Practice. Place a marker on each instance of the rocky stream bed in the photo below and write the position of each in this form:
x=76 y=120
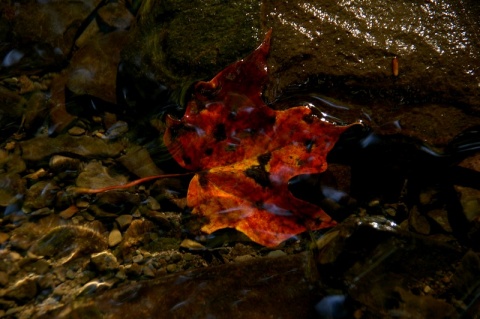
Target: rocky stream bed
x=85 y=87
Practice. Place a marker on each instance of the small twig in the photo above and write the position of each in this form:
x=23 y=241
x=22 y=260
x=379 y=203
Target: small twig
x=83 y=190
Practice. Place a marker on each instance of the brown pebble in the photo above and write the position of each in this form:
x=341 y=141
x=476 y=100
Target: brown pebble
x=427 y=289
x=104 y=261
x=69 y=212
x=191 y=244
x=152 y=203
x=114 y=238
x=3 y=237
x=24 y=289
x=137 y=259
x=3 y=278
x=82 y=204
x=149 y=272
x=134 y=269
x=76 y=131
x=395 y=66
x=171 y=268
x=124 y=221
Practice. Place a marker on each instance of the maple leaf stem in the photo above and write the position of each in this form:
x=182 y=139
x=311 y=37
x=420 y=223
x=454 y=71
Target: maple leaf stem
x=84 y=190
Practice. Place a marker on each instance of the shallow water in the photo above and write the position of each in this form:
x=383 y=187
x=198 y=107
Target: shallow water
x=83 y=104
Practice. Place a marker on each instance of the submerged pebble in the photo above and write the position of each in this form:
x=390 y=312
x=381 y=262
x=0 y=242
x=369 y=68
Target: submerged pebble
x=64 y=243
x=104 y=261
x=114 y=238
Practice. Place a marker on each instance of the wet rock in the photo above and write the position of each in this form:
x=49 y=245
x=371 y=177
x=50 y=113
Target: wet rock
x=191 y=245
x=76 y=131
x=470 y=197
x=219 y=34
x=36 y=111
x=148 y=271
x=418 y=221
x=152 y=203
x=46 y=46
x=68 y=212
x=104 y=261
x=372 y=281
x=138 y=259
x=3 y=278
x=137 y=232
x=159 y=218
x=59 y=163
x=93 y=288
x=276 y=254
x=116 y=130
x=65 y=243
x=23 y=290
x=362 y=46
x=39 y=148
x=24 y=236
x=329 y=48
x=45 y=211
x=440 y=216
x=11 y=186
x=124 y=221
x=95 y=175
x=11 y=112
x=11 y=163
x=40 y=195
x=465 y=279
x=134 y=270
x=435 y=124
x=138 y=161
x=93 y=68
x=115 y=15
x=215 y=296
x=39 y=267
x=3 y=237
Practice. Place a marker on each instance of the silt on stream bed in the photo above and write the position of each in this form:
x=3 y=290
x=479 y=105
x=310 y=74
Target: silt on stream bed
x=83 y=101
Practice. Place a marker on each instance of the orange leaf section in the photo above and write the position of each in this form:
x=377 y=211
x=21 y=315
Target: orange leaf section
x=248 y=152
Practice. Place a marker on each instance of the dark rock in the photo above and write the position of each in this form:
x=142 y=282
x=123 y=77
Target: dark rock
x=43 y=39
x=23 y=290
x=40 y=195
x=436 y=45
x=115 y=15
x=13 y=106
x=95 y=175
x=11 y=186
x=138 y=161
x=39 y=267
x=470 y=197
x=138 y=232
x=370 y=255
x=93 y=68
x=36 y=111
x=219 y=34
x=330 y=48
x=39 y=148
x=76 y=131
x=65 y=243
x=59 y=163
x=466 y=278
x=440 y=216
x=215 y=291
x=124 y=221
x=117 y=130
x=418 y=221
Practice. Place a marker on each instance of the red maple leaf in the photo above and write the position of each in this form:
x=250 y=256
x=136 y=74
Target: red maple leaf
x=246 y=153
